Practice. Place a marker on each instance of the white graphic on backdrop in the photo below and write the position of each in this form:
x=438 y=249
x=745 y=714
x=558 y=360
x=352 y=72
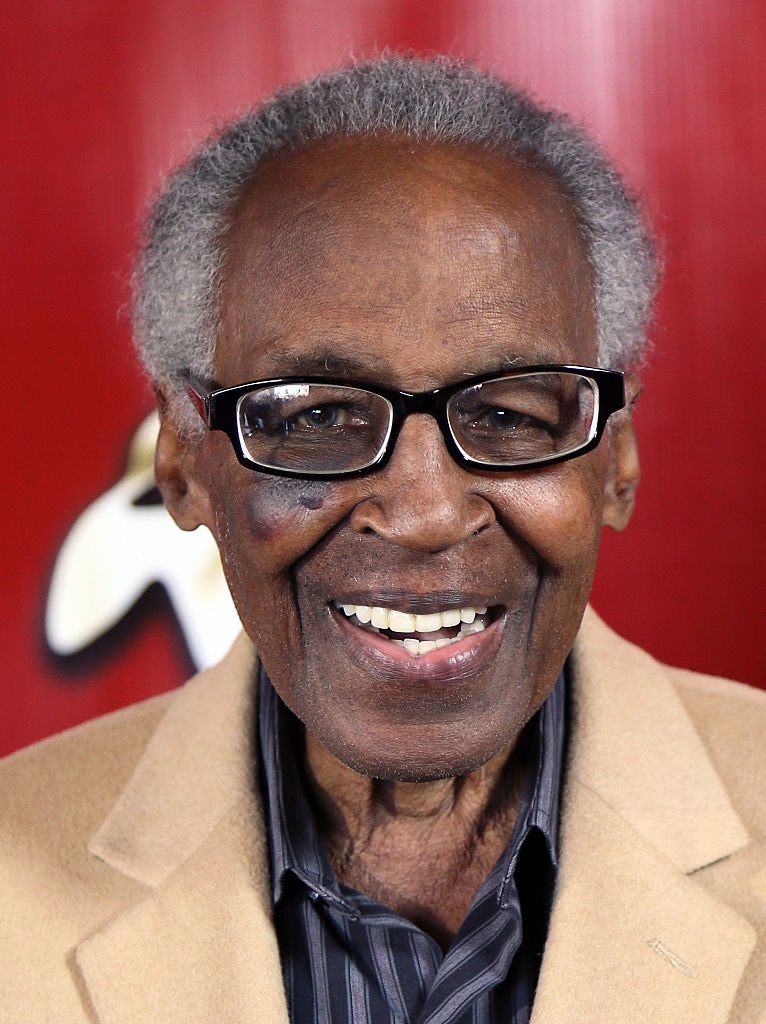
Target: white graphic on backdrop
x=117 y=549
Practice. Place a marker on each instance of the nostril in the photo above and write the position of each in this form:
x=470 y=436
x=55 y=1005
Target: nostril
x=423 y=526
x=426 y=503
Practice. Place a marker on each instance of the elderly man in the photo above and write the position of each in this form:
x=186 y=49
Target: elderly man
x=393 y=319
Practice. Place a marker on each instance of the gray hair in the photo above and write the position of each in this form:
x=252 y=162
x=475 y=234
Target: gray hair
x=180 y=264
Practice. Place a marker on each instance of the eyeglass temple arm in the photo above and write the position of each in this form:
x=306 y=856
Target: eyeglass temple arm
x=198 y=394
x=618 y=393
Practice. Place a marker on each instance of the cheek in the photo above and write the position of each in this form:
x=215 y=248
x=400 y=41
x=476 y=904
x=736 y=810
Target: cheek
x=557 y=513
x=263 y=526
x=272 y=521
x=278 y=514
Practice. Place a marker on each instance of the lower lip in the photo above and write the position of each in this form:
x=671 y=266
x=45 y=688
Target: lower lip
x=449 y=664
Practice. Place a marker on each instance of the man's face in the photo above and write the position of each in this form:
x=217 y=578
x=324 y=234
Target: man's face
x=413 y=266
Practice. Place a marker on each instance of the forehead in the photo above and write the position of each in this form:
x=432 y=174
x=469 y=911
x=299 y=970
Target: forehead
x=399 y=253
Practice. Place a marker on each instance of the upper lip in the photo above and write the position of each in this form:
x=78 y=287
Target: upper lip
x=415 y=603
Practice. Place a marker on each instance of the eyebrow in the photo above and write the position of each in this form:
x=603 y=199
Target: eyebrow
x=323 y=361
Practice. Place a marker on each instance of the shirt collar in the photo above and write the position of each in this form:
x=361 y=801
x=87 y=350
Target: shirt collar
x=294 y=842
x=545 y=802
x=542 y=787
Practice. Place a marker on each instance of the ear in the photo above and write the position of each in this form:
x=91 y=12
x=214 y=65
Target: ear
x=624 y=470
x=176 y=470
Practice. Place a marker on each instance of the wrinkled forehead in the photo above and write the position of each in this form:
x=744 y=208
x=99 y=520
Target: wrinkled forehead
x=386 y=229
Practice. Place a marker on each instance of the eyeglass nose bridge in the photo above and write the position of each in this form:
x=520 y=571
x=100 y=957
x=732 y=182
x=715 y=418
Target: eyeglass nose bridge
x=429 y=403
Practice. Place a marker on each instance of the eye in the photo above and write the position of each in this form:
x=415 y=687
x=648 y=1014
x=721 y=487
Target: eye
x=261 y=418
x=322 y=416
x=504 y=418
x=508 y=419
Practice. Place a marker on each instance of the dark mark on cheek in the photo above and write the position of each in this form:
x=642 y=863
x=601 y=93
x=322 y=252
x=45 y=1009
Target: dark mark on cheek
x=311 y=501
x=275 y=501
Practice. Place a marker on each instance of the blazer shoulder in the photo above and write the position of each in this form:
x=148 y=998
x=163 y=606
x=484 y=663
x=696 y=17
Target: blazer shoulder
x=55 y=792
x=730 y=719
x=718 y=705
x=697 y=683
x=53 y=795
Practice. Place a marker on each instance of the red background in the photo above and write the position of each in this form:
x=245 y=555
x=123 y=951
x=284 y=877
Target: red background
x=99 y=100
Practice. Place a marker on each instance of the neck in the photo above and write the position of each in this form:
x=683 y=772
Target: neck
x=406 y=844
x=352 y=808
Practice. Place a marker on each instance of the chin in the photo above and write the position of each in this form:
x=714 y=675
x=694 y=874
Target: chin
x=441 y=757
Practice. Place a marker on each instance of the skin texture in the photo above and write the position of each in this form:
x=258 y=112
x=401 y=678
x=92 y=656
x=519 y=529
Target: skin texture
x=414 y=266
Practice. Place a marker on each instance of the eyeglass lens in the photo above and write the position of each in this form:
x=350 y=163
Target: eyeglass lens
x=319 y=428
x=331 y=428
x=525 y=418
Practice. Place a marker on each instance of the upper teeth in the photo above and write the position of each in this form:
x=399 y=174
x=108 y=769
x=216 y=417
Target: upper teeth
x=405 y=623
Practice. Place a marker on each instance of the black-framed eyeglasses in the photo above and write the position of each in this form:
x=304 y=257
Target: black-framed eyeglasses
x=326 y=429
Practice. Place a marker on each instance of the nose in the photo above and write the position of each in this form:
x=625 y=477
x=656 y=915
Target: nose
x=423 y=500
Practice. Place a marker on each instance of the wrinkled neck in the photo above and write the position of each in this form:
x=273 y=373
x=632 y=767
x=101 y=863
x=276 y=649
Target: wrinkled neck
x=352 y=806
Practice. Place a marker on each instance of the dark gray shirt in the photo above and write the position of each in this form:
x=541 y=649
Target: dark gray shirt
x=349 y=960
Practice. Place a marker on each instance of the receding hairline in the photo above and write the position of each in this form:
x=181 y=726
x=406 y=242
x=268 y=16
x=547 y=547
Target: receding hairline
x=273 y=172
x=326 y=174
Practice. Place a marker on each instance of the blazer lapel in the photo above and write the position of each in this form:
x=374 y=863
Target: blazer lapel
x=200 y=945
x=634 y=938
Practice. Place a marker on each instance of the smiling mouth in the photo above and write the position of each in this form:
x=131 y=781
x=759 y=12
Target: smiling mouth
x=420 y=634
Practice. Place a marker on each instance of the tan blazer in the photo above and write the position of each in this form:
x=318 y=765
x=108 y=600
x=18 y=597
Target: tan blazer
x=134 y=879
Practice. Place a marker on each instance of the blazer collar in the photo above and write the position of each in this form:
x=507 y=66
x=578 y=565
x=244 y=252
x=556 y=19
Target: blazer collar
x=634 y=936
x=196 y=767
x=634 y=745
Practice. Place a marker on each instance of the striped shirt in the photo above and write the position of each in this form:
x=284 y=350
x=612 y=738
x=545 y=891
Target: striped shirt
x=349 y=960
